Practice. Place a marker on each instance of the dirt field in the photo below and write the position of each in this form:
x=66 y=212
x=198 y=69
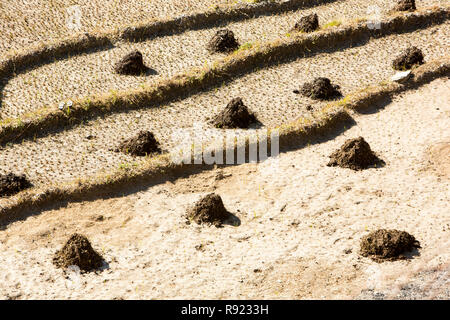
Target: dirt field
x=297 y=222
x=267 y=92
x=301 y=222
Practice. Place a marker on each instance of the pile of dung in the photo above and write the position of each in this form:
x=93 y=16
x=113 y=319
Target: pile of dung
x=79 y=252
x=387 y=245
x=409 y=58
x=11 y=184
x=235 y=115
x=405 y=5
x=307 y=23
x=141 y=145
x=320 y=89
x=131 y=64
x=354 y=154
x=209 y=210
x=223 y=41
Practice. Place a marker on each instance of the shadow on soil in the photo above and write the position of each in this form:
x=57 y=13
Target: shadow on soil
x=144 y=183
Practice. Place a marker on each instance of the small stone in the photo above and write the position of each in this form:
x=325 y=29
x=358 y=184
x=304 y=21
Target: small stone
x=401 y=76
x=200 y=247
x=220 y=175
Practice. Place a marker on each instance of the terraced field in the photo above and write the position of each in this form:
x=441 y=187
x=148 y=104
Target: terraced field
x=68 y=153
x=30 y=22
x=268 y=92
x=91 y=73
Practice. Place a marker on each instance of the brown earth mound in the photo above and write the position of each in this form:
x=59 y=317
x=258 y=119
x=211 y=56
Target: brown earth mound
x=79 y=252
x=354 y=154
x=321 y=89
x=131 y=64
x=223 y=41
x=235 y=115
x=11 y=184
x=405 y=5
x=210 y=210
x=409 y=58
x=143 y=144
x=307 y=23
x=382 y=244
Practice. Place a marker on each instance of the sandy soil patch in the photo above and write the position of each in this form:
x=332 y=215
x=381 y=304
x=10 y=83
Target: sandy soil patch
x=301 y=222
